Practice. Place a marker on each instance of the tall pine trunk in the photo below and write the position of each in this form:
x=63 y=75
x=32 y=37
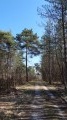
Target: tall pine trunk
x=65 y=63
x=26 y=66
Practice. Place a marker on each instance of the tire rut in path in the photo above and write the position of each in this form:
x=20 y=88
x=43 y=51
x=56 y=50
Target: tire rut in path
x=37 y=106
x=48 y=107
x=35 y=102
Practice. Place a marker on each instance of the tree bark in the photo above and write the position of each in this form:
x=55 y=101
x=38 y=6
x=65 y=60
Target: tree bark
x=26 y=66
x=65 y=63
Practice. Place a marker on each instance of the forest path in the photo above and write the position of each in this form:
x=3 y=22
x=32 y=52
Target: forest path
x=33 y=101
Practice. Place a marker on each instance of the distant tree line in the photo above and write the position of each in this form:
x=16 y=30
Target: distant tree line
x=13 y=71
x=54 y=41
x=52 y=46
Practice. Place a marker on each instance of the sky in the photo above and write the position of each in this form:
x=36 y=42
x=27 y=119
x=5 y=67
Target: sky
x=15 y=15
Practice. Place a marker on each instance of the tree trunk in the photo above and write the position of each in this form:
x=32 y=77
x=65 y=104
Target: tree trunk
x=49 y=60
x=26 y=66
x=65 y=63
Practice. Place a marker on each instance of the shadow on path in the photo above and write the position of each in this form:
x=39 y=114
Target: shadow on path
x=33 y=102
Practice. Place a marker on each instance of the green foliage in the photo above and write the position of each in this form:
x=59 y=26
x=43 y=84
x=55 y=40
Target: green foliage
x=11 y=61
x=12 y=69
x=6 y=38
x=54 y=50
x=30 y=40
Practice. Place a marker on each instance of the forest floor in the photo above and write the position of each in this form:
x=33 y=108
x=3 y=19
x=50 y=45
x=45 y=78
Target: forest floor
x=34 y=101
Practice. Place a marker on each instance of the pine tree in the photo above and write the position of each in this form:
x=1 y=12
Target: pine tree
x=28 y=41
